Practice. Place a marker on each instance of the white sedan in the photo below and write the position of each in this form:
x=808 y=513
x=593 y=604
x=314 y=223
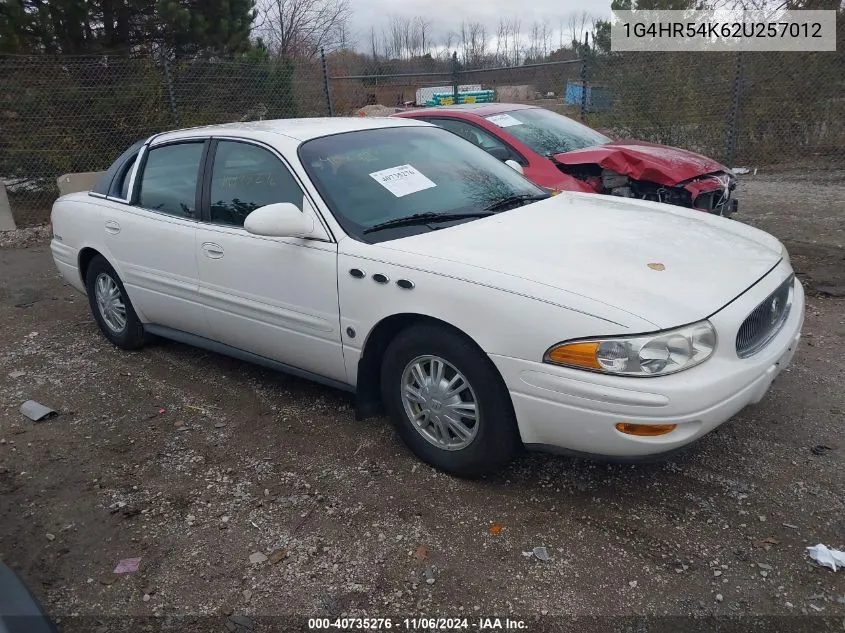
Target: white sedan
x=392 y=258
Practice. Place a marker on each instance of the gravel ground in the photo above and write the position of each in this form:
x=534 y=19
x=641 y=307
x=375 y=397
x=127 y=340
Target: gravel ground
x=202 y=466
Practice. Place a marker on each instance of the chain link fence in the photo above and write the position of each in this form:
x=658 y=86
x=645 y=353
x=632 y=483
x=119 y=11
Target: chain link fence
x=741 y=108
x=405 y=83
x=75 y=114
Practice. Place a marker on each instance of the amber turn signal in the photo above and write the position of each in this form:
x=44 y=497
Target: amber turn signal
x=577 y=354
x=645 y=430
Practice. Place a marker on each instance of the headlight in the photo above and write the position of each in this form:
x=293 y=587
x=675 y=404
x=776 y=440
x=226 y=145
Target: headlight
x=656 y=354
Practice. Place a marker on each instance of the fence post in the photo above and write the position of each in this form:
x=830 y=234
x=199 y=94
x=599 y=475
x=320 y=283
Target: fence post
x=583 y=85
x=732 y=128
x=326 y=82
x=456 y=75
x=168 y=77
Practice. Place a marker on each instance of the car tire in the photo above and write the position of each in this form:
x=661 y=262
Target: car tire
x=468 y=433
x=111 y=306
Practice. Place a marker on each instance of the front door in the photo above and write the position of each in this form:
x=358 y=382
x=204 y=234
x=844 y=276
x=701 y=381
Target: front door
x=275 y=297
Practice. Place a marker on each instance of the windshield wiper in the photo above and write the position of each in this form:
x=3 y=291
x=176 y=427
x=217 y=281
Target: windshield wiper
x=502 y=203
x=425 y=218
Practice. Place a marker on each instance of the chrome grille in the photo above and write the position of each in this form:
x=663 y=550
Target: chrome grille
x=765 y=321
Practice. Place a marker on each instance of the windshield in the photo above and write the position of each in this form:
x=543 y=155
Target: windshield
x=372 y=177
x=547 y=132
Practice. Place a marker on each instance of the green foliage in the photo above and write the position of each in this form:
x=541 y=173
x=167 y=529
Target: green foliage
x=253 y=86
x=601 y=36
x=185 y=27
x=72 y=116
x=63 y=115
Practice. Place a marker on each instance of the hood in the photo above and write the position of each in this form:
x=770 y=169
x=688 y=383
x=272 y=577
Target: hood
x=642 y=160
x=665 y=265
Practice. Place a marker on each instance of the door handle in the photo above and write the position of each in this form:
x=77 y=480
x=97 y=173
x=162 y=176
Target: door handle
x=112 y=227
x=212 y=250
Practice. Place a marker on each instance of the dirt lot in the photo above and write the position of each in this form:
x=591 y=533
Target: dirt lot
x=193 y=462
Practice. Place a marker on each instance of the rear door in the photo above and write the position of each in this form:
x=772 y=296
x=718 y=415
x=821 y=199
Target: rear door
x=152 y=235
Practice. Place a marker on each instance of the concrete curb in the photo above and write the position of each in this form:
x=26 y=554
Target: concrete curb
x=82 y=181
x=7 y=221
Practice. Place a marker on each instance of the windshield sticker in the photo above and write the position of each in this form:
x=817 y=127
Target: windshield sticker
x=402 y=180
x=504 y=120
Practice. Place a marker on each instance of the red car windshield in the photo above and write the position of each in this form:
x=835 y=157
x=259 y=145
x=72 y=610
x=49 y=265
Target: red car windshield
x=546 y=132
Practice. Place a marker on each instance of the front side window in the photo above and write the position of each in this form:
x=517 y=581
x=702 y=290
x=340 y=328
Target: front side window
x=169 y=180
x=376 y=176
x=245 y=177
x=547 y=132
x=473 y=134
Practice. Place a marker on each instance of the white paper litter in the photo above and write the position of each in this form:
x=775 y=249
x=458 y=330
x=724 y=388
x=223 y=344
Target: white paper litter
x=827 y=557
x=741 y=170
x=504 y=120
x=402 y=180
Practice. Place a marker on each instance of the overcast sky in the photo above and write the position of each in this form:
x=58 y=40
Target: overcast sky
x=446 y=15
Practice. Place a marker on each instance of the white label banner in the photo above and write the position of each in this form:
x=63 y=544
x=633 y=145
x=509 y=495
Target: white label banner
x=504 y=120
x=402 y=180
x=723 y=30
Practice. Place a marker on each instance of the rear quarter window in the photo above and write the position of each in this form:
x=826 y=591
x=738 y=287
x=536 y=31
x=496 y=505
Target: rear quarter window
x=104 y=186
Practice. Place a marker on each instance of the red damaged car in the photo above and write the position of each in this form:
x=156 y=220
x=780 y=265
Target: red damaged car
x=558 y=153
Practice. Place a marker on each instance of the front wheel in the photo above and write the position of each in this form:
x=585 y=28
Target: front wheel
x=448 y=402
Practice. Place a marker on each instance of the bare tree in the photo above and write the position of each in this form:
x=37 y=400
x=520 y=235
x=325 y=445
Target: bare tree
x=406 y=28
x=546 y=39
x=503 y=35
x=533 y=51
x=375 y=43
x=407 y=37
x=393 y=43
x=577 y=24
x=423 y=27
x=539 y=41
x=513 y=42
x=473 y=39
x=502 y=42
x=345 y=41
x=448 y=44
x=300 y=28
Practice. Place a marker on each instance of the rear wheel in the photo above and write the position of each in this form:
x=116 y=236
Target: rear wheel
x=448 y=402
x=111 y=306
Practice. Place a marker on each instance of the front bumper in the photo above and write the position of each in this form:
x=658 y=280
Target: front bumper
x=576 y=411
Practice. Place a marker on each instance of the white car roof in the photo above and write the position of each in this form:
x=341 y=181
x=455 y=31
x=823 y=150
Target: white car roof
x=298 y=129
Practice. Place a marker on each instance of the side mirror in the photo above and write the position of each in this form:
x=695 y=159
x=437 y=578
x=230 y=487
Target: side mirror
x=281 y=219
x=514 y=165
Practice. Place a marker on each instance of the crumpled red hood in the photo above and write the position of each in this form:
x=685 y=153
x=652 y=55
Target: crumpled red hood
x=642 y=160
